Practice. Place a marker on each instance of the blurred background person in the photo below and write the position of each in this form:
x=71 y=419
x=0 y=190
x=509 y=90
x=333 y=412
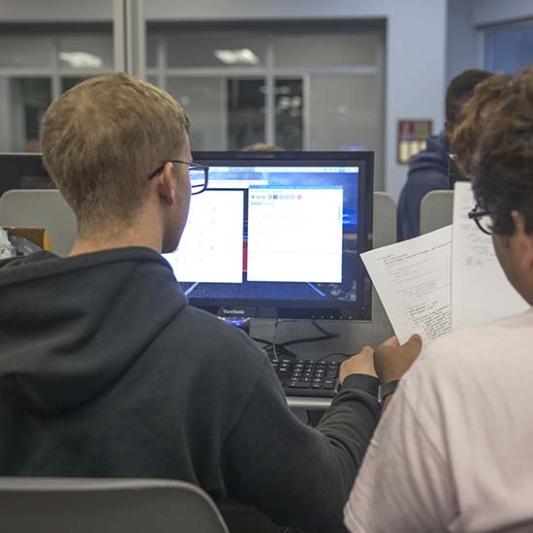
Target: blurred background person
x=428 y=170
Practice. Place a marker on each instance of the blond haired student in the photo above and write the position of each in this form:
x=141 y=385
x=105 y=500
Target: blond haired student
x=105 y=370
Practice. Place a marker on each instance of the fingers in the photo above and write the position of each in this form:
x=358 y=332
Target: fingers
x=416 y=341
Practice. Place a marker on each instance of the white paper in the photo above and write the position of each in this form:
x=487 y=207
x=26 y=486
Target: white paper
x=480 y=290
x=412 y=279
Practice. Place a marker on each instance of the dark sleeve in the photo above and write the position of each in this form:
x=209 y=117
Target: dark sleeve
x=411 y=197
x=408 y=217
x=418 y=184
x=297 y=475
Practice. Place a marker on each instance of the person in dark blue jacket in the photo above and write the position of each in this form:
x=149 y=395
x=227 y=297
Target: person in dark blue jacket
x=428 y=169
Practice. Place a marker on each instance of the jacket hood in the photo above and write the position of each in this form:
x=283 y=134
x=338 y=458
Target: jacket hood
x=434 y=157
x=70 y=327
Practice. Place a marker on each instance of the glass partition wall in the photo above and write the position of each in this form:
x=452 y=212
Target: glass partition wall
x=37 y=63
x=311 y=87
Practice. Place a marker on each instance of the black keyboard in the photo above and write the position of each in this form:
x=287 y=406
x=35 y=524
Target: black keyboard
x=307 y=378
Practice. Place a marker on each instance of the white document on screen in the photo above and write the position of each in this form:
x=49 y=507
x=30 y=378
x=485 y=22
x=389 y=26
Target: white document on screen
x=412 y=279
x=295 y=234
x=480 y=290
x=211 y=247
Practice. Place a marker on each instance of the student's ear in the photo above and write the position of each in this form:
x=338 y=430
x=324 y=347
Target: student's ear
x=524 y=239
x=166 y=185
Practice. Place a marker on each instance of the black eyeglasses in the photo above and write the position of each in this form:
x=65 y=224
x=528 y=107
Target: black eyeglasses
x=198 y=175
x=482 y=219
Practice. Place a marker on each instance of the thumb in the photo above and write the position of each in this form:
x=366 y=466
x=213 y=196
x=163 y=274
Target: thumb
x=415 y=341
x=391 y=341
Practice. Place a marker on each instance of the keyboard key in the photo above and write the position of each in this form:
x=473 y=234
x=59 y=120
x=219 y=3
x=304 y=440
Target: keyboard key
x=300 y=385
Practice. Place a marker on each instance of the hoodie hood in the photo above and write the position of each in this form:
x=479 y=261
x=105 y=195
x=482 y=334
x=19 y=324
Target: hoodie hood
x=433 y=159
x=70 y=327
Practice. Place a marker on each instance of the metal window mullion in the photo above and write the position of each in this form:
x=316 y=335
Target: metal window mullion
x=119 y=35
x=306 y=119
x=56 y=82
x=206 y=72
x=56 y=86
x=224 y=122
x=26 y=72
x=363 y=70
x=270 y=96
x=161 y=61
x=136 y=41
x=81 y=73
x=380 y=103
x=359 y=70
x=129 y=36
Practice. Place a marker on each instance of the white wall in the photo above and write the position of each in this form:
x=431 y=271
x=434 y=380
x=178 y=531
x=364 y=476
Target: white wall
x=463 y=39
x=415 y=49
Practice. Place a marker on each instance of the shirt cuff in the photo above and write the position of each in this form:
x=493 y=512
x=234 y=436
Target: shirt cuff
x=362 y=382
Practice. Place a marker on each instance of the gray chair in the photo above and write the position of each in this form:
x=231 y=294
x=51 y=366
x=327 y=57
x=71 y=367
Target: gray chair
x=436 y=211
x=384 y=219
x=384 y=228
x=92 y=505
x=40 y=208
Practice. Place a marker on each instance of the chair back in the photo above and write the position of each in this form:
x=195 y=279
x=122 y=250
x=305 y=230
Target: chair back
x=384 y=219
x=92 y=505
x=40 y=208
x=436 y=211
x=384 y=232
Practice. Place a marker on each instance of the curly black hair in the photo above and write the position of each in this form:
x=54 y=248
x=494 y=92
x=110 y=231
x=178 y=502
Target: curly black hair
x=494 y=145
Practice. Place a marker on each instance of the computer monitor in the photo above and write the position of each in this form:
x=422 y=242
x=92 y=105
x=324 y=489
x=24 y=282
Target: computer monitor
x=280 y=234
x=23 y=171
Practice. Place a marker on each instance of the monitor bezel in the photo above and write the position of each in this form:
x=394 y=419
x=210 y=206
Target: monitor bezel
x=299 y=310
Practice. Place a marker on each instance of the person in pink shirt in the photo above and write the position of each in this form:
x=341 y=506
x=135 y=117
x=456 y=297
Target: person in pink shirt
x=453 y=451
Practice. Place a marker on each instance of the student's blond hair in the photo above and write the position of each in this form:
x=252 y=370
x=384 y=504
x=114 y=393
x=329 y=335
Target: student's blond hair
x=102 y=139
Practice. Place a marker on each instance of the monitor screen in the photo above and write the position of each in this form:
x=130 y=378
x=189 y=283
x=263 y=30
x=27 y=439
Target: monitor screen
x=23 y=171
x=279 y=234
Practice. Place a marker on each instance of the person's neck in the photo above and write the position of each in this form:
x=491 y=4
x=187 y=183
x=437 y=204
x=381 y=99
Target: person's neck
x=134 y=235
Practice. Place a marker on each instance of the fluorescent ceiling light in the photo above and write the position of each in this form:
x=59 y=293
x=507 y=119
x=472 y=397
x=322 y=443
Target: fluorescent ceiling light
x=243 y=56
x=81 y=59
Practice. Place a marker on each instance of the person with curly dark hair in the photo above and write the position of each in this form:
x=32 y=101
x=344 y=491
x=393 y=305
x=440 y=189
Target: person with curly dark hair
x=453 y=451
